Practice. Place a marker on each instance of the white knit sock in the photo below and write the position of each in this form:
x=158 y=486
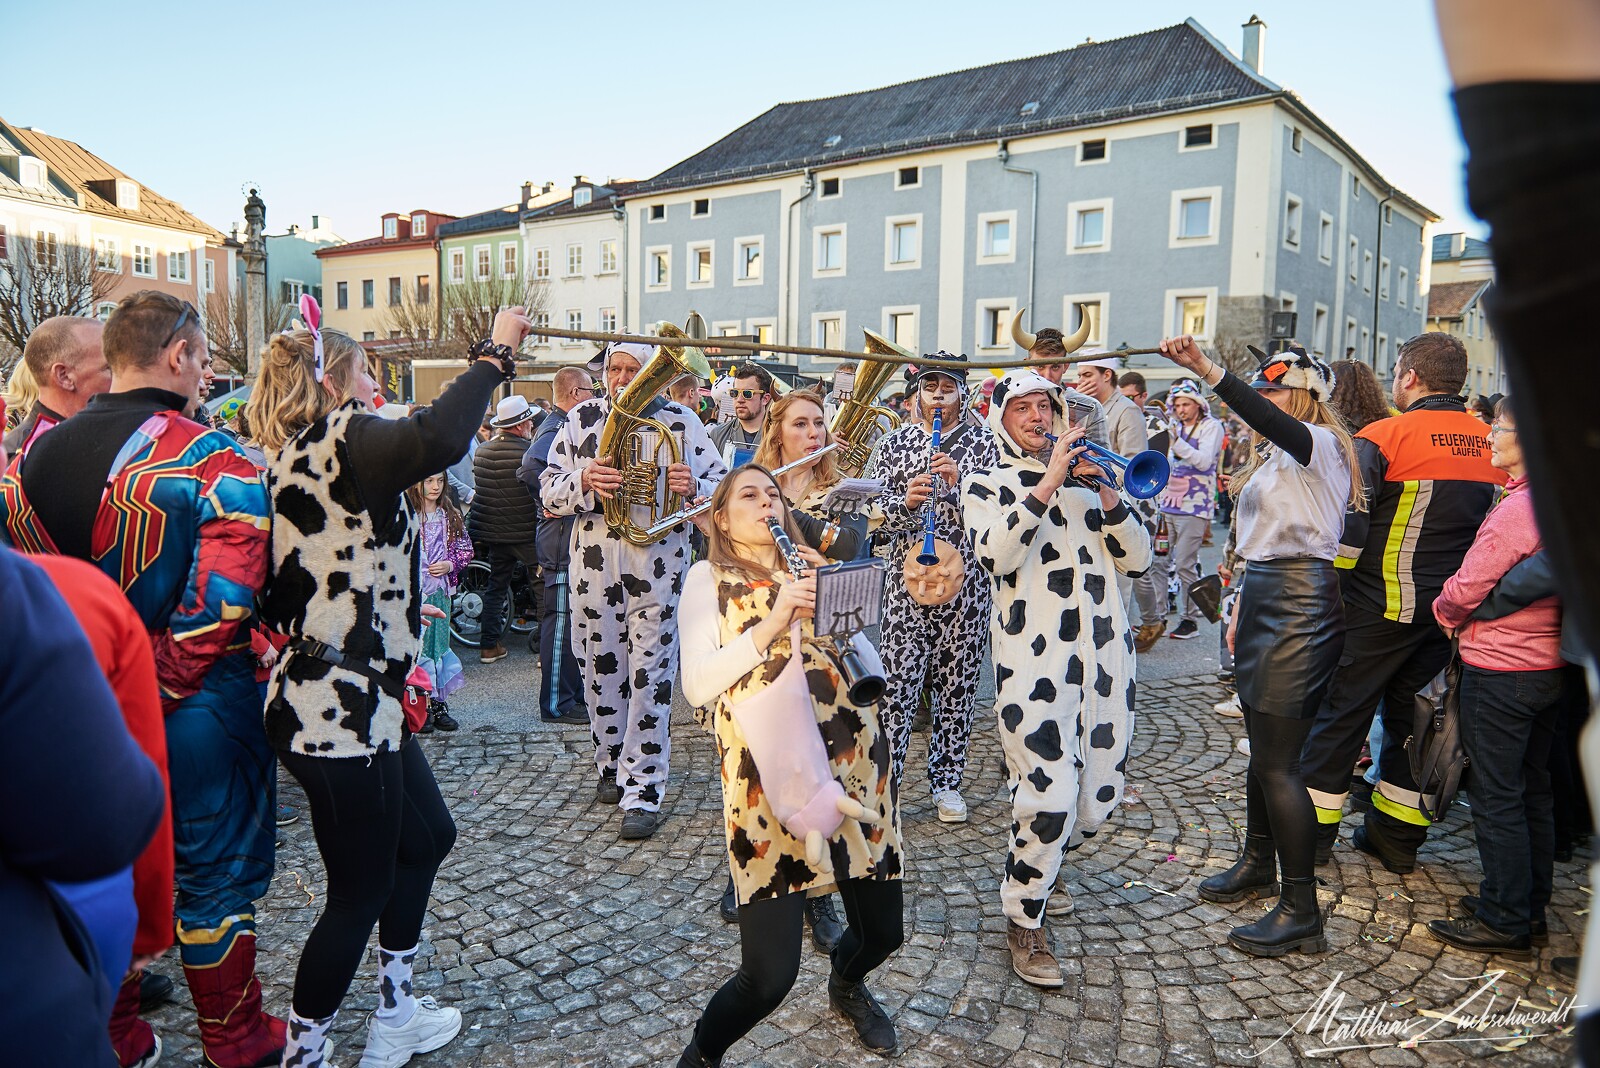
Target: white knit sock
x=397 y=1001
x=305 y=1041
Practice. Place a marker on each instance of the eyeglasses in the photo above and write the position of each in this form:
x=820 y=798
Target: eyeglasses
x=188 y=309
x=746 y=394
x=1496 y=428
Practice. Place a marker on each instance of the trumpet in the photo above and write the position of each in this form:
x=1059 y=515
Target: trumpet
x=683 y=515
x=1142 y=475
x=863 y=686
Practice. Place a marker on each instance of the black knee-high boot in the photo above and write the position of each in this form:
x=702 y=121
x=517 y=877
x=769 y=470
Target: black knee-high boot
x=1254 y=874
x=1295 y=924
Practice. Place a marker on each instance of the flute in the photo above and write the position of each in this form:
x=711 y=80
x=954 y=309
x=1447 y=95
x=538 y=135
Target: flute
x=929 y=555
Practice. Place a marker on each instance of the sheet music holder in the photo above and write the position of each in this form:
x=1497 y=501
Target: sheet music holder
x=849 y=597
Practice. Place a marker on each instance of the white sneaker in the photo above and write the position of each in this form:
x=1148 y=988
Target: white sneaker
x=952 y=809
x=1229 y=708
x=1060 y=902
x=429 y=1028
x=1243 y=746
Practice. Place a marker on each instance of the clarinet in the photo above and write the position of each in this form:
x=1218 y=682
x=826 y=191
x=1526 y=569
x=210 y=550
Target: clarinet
x=862 y=685
x=930 y=556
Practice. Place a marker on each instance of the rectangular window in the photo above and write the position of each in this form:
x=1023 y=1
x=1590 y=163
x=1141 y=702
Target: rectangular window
x=368 y=294
x=1349 y=339
x=1388 y=214
x=46 y=243
x=907 y=177
x=830 y=250
x=903 y=329
x=368 y=335
x=1355 y=188
x=1194 y=217
x=104 y=310
x=574 y=260
x=1366 y=342
x=993 y=327
x=210 y=276
x=1075 y=317
x=1197 y=136
x=1325 y=237
x=747 y=260
x=700 y=265
x=542 y=321
x=1291 y=221
x=608 y=257
x=659 y=268
x=658 y=212
x=394 y=335
x=541 y=263
x=178 y=266
x=293 y=290
x=1366 y=271
x=144 y=261
x=1191 y=316
x=905 y=245
x=424 y=288
x=608 y=320
x=391 y=230
x=5 y=242
x=1383 y=279
x=1405 y=282
x=1091 y=226
x=106 y=255
x=394 y=292
x=997 y=237
x=419 y=226
x=702 y=206
x=1092 y=151
x=458 y=266
x=827 y=332
x=830 y=188
x=341 y=296
x=1296 y=140
x=508 y=261
x=763 y=331
x=481 y=263
x=574 y=319
x=1353 y=265
x=1319 y=330
x=1383 y=348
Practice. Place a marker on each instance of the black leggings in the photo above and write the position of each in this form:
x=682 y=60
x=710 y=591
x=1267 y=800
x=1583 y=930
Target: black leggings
x=770 y=934
x=1276 y=802
x=383 y=831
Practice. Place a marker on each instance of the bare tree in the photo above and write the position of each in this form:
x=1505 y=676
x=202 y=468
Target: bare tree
x=455 y=315
x=42 y=279
x=226 y=331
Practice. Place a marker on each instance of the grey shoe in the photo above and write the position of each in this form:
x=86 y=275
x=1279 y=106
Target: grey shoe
x=640 y=823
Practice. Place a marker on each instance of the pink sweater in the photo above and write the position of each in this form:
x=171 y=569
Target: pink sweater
x=1527 y=640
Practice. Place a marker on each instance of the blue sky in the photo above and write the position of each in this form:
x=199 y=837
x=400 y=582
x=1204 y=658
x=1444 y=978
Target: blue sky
x=349 y=110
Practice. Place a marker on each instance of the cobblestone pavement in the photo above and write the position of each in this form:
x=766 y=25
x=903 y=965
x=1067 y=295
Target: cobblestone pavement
x=564 y=945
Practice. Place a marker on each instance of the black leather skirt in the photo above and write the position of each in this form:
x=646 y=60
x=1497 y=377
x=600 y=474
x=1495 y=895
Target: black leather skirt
x=1291 y=633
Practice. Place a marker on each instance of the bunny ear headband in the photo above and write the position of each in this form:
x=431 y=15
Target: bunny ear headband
x=311 y=320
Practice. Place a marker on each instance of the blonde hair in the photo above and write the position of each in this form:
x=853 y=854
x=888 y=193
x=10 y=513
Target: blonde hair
x=719 y=546
x=769 y=454
x=287 y=397
x=1308 y=409
x=21 y=393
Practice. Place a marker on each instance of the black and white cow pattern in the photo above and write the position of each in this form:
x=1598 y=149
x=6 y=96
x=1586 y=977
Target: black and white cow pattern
x=944 y=644
x=624 y=598
x=1063 y=653
x=338 y=579
x=395 y=981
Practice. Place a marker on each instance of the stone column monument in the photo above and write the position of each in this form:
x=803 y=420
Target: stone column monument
x=255 y=281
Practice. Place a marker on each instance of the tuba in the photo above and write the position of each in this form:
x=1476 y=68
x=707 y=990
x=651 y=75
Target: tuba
x=856 y=422
x=622 y=440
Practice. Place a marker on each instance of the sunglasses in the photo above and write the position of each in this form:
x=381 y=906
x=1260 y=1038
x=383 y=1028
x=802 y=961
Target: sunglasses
x=745 y=394
x=188 y=309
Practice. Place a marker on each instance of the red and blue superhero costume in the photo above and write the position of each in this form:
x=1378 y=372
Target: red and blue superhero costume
x=178 y=517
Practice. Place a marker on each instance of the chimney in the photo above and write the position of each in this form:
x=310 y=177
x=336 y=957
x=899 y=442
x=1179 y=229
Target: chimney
x=1458 y=246
x=527 y=193
x=1255 y=44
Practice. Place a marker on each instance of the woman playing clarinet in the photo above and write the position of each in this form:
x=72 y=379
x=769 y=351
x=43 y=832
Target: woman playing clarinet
x=738 y=621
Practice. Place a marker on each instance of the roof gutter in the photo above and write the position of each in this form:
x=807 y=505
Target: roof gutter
x=1004 y=155
x=791 y=295
x=1377 y=283
x=619 y=212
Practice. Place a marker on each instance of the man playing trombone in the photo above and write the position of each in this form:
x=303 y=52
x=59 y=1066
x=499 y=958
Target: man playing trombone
x=941 y=642
x=623 y=594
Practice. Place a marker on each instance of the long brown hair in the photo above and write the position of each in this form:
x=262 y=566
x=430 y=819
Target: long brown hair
x=719 y=546
x=1307 y=409
x=287 y=397
x=1357 y=396
x=455 y=525
x=824 y=472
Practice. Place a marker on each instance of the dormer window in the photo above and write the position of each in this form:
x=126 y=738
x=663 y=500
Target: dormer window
x=127 y=194
x=391 y=228
x=1030 y=108
x=582 y=196
x=832 y=142
x=419 y=225
x=34 y=173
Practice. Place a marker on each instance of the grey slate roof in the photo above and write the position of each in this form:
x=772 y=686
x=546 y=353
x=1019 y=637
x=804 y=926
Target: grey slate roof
x=505 y=218
x=1162 y=70
x=1475 y=248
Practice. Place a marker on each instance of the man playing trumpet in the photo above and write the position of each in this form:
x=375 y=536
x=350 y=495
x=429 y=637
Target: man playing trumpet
x=941 y=642
x=624 y=595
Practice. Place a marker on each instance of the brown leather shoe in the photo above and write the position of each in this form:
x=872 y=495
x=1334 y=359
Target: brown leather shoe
x=489 y=656
x=1145 y=638
x=1031 y=957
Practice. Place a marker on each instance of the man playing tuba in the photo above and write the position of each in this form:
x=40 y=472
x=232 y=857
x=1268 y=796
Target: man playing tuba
x=943 y=642
x=624 y=594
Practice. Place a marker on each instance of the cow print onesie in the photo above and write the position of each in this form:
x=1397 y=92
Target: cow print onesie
x=624 y=597
x=1063 y=654
x=946 y=641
